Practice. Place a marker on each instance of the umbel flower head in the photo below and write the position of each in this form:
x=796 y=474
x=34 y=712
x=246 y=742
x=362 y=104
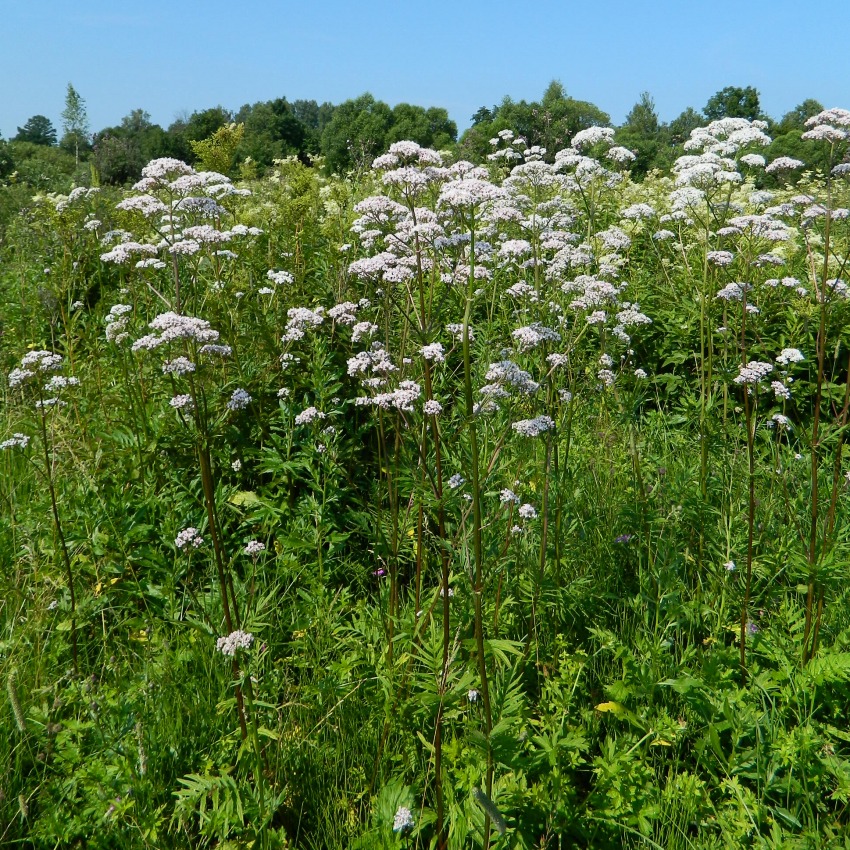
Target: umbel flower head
x=235 y=640
x=403 y=819
x=34 y=363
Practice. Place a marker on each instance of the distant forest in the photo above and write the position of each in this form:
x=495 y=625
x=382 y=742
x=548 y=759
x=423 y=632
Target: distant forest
x=346 y=137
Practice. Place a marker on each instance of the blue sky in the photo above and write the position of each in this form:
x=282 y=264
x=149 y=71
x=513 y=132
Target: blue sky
x=182 y=55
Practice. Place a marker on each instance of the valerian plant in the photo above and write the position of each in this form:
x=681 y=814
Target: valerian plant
x=455 y=504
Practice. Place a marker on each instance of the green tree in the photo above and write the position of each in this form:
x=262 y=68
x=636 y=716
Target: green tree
x=272 y=131
x=431 y=128
x=121 y=152
x=484 y=115
x=797 y=117
x=38 y=130
x=551 y=122
x=682 y=124
x=643 y=134
x=200 y=125
x=7 y=163
x=315 y=116
x=733 y=102
x=218 y=151
x=357 y=133
x=75 y=122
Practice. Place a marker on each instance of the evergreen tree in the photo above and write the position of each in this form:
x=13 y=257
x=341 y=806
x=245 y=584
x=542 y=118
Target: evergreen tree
x=642 y=134
x=38 y=130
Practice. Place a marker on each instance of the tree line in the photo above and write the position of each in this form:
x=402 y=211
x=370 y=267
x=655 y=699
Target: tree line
x=349 y=135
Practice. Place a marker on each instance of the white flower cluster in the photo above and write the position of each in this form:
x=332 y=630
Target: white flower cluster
x=401 y=398
x=172 y=326
x=309 y=415
x=533 y=427
x=123 y=252
x=403 y=819
x=780 y=390
x=790 y=355
x=116 y=322
x=733 y=291
x=189 y=536
x=254 y=547
x=720 y=258
x=753 y=373
x=301 y=318
x=235 y=640
x=183 y=402
x=16 y=440
x=361 y=329
x=239 y=399
x=533 y=335
x=33 y=363
x=60 y=382
x=434 y=352
x=592 y=136
x=376 y=361
x=280 y=278
x=507 y=373
x=178 y=366
x=468 y=194
x=344 y=313
x=784 y=163
x=830 y=125
x=456 y=330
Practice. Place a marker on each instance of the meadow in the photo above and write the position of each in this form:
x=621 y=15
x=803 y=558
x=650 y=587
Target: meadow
x=437 y=505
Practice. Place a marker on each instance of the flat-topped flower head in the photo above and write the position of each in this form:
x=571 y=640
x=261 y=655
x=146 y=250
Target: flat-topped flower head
x=753 y=373
x=17 y=440
x=403 y=819
x=234 y=641
x=34 y=363
x=239 y=399
x=189 y=537
x=533 y=427
x=592 y=136
x=784 y=163
x=469 y=193
x=254 y=547
x=830 y=125
x=166 y=168
x=406 y=153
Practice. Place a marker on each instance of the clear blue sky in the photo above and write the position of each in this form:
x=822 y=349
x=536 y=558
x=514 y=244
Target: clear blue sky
x=182 y=55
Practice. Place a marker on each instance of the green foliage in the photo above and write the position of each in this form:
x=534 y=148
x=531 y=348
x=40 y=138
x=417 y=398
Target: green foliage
x=272 y=131
x=120 y=153
x=733 y=102
x=218 y=151
x=75 y=122
x=550 y=123
x=38 y=130
x=356 y=133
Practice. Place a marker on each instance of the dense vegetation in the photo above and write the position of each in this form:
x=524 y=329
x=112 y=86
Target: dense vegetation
x=351 y=134
x=440 y=504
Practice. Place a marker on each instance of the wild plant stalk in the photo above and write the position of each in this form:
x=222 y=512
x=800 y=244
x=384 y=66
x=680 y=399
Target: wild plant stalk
x=749 y=417
x=820 y=348
x=425 y=306
x=57 y=525
x=477 y=538
x=225 y=583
